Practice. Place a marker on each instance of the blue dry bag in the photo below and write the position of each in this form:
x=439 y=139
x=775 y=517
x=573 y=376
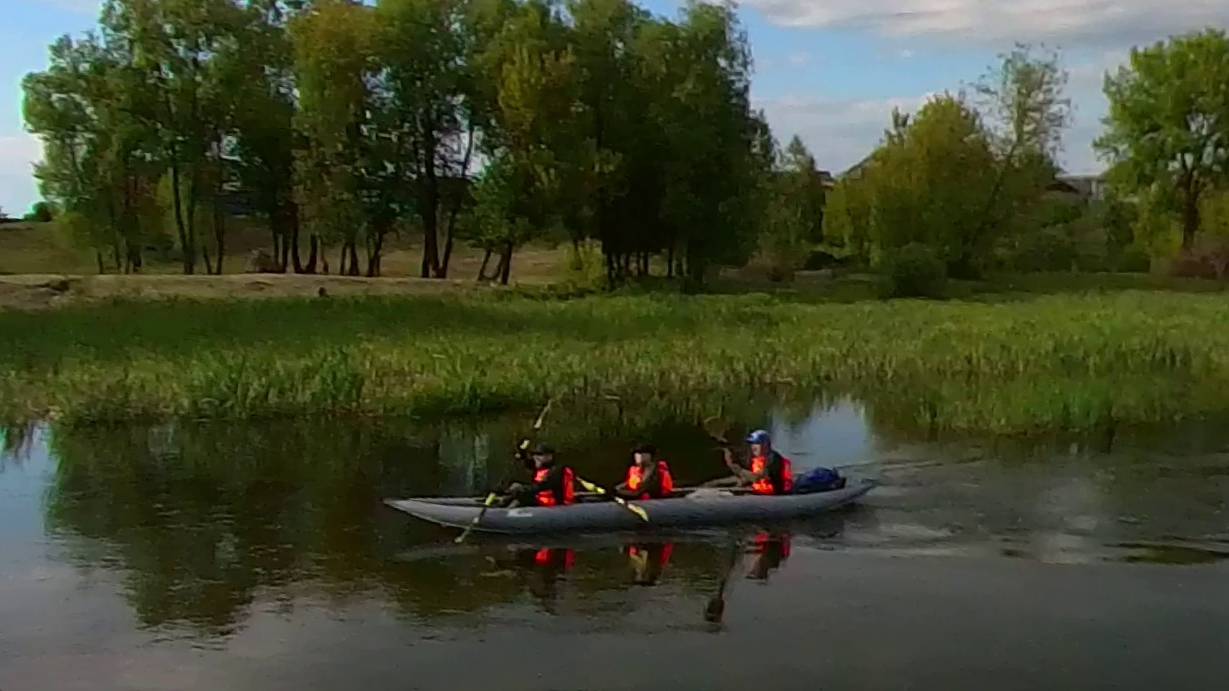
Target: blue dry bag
x=818 y=480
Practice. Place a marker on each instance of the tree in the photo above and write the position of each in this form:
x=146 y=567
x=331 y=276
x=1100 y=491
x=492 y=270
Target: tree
x=711 y=165
x=101 y=158
x=333 y=67
x=792 y=218
x=422 y=50
x=179 y=48
x=1167 y=132
x=40 y=212
x=1025 y=108
x=926 y=184
x=262 y=149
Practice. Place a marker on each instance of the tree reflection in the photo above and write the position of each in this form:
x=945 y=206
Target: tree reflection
x=203 y=520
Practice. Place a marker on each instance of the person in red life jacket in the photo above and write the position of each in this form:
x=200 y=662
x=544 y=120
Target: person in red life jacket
x=767 y=472
x=647 y=477
x=553 y=484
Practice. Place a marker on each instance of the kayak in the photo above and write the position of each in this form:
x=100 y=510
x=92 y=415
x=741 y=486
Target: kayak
x=699 y=508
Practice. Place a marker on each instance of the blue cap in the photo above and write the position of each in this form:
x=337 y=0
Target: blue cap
x=759 y=436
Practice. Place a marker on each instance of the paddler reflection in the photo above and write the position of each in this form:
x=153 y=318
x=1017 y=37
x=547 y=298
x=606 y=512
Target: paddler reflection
x=648 y=561
x=770 y=550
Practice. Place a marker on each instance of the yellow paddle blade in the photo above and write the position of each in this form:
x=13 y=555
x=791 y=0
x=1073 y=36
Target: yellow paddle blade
x=644 y=515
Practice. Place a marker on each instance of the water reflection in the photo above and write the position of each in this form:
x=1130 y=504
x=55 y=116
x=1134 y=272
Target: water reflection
x=204 y=522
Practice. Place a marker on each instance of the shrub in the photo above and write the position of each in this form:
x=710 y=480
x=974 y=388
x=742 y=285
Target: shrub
x=915 y=270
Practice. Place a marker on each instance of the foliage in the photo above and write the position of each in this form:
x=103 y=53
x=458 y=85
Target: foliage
x=793 y=215
x=915 y=270
x=928 y=185
x=450 y=354
x=1166 y=128
x=41 y=212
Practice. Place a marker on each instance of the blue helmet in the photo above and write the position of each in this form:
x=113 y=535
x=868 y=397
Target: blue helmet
x=759 y=436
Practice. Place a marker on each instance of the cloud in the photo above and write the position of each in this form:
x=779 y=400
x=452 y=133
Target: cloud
x=1058 y=21
x=841 y=133
x=18 y=191
x=838 y=132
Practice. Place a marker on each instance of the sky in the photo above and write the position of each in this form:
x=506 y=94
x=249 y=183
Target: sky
x=829 y=71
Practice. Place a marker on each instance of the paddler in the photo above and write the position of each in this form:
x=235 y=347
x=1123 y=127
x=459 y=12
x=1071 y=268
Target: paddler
x=767 y=471
x=553 y=484
x=647 y=476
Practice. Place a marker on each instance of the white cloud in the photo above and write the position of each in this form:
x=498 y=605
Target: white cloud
x=1059 y=21
x=842 y=132
x=18 y=191
x=839 y=133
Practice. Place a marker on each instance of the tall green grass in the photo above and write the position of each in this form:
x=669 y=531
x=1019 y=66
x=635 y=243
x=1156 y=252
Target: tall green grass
x=439 y=355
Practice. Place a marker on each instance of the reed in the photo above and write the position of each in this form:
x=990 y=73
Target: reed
x=432 y=355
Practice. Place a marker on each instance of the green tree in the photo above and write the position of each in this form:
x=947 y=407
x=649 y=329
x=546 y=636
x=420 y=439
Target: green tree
x=422 y=50
x=101 y=158
x=926 y=184
x=711 y=165
x=1168 y=125
x=535 y=149
x=262 y=148
x=1024 y=104
x=179 y=47
x=41 y=212
x=332 y=46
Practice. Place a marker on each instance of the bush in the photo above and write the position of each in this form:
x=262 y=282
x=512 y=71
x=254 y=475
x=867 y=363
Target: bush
x=915 y=270
x=818 y=260
x=1133 y=260
x=40 y=213
x=1042 y=250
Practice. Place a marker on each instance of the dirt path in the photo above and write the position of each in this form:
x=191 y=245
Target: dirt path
x=43 y=291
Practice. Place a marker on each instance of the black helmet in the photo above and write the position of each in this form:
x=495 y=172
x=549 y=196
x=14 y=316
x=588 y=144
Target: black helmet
x=645 y=448
x=543 y=449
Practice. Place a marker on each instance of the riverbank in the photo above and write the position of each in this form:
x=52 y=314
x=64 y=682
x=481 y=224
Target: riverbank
x=1012 y=366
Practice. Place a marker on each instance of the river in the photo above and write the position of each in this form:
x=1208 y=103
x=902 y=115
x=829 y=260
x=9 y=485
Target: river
x=258 y=556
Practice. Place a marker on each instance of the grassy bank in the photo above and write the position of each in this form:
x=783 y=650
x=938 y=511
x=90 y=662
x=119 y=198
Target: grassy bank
x=454 y=354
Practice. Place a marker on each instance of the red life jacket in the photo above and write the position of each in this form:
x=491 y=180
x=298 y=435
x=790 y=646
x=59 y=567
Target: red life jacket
x=666 y=551
x=564 y=559
x=635 y=478
x=765 y=486
x=547 y=497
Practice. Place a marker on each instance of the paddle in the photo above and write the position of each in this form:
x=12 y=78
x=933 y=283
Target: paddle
x=715 y=609
x=590 y=487
x=494 y=496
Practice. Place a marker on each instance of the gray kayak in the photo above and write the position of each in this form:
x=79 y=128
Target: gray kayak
x=700 y=508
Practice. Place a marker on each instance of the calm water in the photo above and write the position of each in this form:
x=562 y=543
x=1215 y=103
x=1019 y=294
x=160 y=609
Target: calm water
x=215 y=556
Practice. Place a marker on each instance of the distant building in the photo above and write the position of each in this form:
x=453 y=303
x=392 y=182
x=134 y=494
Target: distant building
x=1086 y=187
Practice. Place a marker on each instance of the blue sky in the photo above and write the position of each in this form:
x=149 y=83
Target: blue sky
x=828 y=70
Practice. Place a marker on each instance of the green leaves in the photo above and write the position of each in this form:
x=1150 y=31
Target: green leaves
x=1167 y=132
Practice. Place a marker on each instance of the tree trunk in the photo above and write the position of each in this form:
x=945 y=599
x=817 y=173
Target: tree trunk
x=373 y=258
x=507 y=264
x=292 y=211
x=102 y=269
x=189 y=255
x=192 y=215
x=486 y=259
x=1190 y=213
x=353 y=259
x=430 y=208
x=219 y=234
x=310 y=267
x=455 y=209
x=206 y=258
